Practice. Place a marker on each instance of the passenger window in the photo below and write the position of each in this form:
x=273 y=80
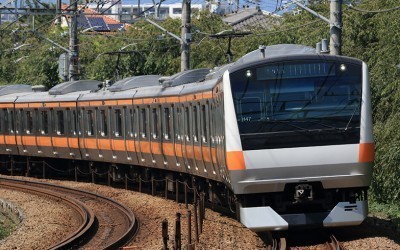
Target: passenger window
x=154 y=124
x=167 y=124
x=187 y=124
x=118 y=123
x=103 y=123
x=44 y=123
x=4 y=121
x=29 y=122
x=177 y=124
x=143 y=123
x=90 y=125
x=129 y=121
x=12 y=124
x=195 y=125
x=60 y=122
x=203 y=125
x=72 y=122
x=19 y=122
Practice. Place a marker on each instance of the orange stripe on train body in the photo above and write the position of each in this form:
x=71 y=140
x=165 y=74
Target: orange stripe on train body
x=366 y=152
x=235 y=160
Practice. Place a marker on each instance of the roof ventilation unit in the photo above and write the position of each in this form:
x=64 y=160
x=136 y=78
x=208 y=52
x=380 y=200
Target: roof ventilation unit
x=74 y=86
x=189 y=76
x=13 y=89
x=134 y=82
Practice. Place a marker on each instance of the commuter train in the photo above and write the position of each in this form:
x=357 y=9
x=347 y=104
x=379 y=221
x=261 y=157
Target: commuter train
x=287 y=131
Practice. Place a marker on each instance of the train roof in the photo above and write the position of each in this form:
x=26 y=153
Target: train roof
x=135 y=82
x=15 y=89
x=75 y=86
x=284 y=52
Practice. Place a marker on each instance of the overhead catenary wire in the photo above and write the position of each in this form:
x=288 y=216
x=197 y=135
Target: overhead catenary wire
x=374 y=11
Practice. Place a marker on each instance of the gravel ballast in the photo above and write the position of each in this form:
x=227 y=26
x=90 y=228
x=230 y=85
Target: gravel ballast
x=47 y=221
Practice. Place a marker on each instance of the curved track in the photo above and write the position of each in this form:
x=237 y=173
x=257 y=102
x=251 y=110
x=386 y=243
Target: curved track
x=317 y=239
x=105 y=224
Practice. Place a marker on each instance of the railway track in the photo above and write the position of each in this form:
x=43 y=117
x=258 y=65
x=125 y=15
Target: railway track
x=321 y=240
x=105 y=224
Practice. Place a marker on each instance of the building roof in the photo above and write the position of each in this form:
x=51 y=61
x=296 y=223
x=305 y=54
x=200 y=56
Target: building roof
x=92 y=20
x=248 y=19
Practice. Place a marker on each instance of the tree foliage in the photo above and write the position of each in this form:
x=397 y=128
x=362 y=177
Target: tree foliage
x=372 y=37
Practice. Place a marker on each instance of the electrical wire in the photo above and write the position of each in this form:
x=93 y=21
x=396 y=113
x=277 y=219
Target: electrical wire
x=373 y=11
x=284 y=30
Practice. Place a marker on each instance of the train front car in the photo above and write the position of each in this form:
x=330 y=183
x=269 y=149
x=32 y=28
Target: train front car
x=299 y=139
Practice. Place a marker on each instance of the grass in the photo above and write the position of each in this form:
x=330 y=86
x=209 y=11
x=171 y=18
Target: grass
x=7 y=226
x=385 y=211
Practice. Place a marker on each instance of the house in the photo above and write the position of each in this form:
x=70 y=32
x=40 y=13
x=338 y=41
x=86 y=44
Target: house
x=90 y=20
x=128 y=13
x=251 y=18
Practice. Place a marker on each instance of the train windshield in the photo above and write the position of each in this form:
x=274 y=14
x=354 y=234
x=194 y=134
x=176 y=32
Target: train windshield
x=292 y=104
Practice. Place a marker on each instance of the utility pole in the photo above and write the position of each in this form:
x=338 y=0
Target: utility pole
x=335 y=23
x=336 y=27
x=185 y=35
x=73 y=42
x=58 y=11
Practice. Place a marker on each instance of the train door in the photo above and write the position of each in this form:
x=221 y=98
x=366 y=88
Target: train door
x=71 y=133
x=53 y=132
x=118 y=134
x=136 y=134
x=12 y=139
x=43 y=139
x=144 y=135
x=197 y=143
x=87 y=133
x=3 y=131
x=20 y=131
x=155 y=136
x=103 y=138
x=168 y=138
x=220 y=139
x=205 y=138
x=213 y=140
x=129 y=144
x=59 y=138
x=188 y=139
x=30 y=131
x=178 y=137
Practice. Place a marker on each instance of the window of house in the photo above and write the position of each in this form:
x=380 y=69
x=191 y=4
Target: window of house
x=177 y=10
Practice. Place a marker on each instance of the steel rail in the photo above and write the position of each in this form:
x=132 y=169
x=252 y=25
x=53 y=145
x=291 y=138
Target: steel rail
x=86 y=214
x=133 y=223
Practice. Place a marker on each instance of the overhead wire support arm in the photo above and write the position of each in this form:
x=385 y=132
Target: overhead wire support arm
x=316 y=14
x=51 y=41
x=165 y=30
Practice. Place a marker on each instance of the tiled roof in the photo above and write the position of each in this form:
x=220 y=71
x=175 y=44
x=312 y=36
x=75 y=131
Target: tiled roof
x=249 y=19
x=90 y=18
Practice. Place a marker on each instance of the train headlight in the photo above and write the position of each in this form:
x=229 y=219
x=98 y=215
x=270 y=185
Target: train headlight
x=343 y=67
x=248 y=73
